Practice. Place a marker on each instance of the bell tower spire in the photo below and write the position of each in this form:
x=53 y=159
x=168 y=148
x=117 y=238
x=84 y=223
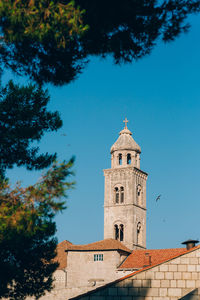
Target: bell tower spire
x=125 y=151
x=125 y=193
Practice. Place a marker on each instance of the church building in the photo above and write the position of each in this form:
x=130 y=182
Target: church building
x=119 y=266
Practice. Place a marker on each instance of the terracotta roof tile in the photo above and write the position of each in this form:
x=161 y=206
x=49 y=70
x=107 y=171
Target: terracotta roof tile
x=140 y=258
x=61 y=257
x=107 y=244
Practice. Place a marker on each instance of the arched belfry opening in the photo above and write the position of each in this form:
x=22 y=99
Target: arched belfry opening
x=125 y=193
x=119 y=232
x=120 y=159
x=116 y=195
x=119 y=194
x=116 y=232
x=139 y=234
x=139 y=195
x=128 y=159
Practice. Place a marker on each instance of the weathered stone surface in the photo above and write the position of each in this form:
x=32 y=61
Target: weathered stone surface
x=165 y=289
x=123 y=175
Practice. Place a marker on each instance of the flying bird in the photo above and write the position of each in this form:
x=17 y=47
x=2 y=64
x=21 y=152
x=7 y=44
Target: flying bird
x=158 y=198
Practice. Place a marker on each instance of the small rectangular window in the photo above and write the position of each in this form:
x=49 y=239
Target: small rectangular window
x=101 y=257
x=98 y=257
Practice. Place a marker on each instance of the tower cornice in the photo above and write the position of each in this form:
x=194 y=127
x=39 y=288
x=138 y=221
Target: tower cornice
x=124 y=205
x=121 y=170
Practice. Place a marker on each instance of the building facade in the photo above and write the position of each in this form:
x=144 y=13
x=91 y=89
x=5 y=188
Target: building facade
x=174 y=278
x=125 y=193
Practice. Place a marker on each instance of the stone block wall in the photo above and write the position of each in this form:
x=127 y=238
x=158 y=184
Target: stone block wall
x=168 y=281
x=130 y=212
x=83 y=271
x=83 y=274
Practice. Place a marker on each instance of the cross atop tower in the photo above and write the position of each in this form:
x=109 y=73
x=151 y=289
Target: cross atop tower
x=125 y=121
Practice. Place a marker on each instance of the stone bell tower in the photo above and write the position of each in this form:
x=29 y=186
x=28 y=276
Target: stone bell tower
x=125 y=193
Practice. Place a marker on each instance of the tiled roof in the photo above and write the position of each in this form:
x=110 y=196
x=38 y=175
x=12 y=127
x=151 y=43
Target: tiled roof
x=140 y=258
x=61 y=257
x=107 y=244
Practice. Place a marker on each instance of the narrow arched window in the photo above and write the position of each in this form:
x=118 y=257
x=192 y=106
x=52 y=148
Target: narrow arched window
x=139 y=195
x=121 y=232
x=139 y=190
x=139 y=234
x=120 y=159
x=128 y=159
x=116 y=195
x=121 y=194
x=116 y=229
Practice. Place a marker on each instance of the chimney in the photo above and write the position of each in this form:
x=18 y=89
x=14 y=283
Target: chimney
x=147 y=260
x=190 y=244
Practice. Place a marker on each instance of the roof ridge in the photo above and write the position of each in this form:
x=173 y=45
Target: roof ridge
x=108 y=239
x=144 y=250
x=106 y=244
x=64 y=241
x=92 y=242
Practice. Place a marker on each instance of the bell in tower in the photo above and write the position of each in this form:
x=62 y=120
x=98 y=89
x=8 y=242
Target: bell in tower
x=125 y=193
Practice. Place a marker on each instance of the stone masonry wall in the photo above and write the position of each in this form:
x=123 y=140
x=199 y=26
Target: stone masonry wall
x=83 y=271
x=168 y=281
x=83 y=274
x=130 y=212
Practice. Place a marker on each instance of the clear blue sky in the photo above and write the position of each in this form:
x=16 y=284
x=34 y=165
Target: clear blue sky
x=160 y=95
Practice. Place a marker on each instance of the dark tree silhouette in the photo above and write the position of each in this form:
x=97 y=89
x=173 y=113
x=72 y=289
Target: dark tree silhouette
x=51 y=41
x=27 y=229
x=24 y=119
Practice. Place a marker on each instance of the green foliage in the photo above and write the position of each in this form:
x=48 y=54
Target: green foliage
x=51 y=41
x=24 y=119
x=40 y=38
x=40 y=19
x=27 y=230
x=129 y=29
